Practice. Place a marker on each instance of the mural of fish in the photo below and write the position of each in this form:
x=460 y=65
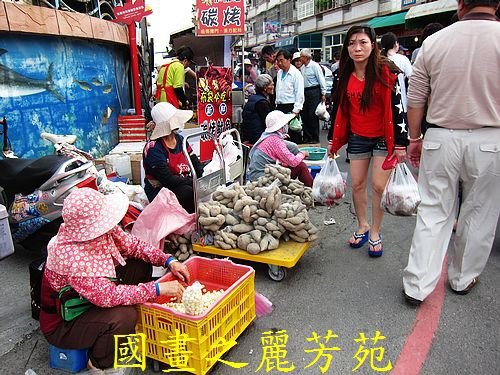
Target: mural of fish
x=83 y=85
x=106 y=89
x=13 y=84
x=106 y=115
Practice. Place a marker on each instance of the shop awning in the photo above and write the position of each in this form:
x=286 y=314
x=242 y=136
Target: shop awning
x=285 y=42
x=312 y=40
x=439 y=6
x=385 y=21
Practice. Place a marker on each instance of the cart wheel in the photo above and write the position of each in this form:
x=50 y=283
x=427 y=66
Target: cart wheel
x=276 y=273
x=156 y=366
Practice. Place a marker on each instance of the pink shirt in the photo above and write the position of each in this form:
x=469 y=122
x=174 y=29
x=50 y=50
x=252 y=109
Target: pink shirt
x=275 y=148
x=99 y=290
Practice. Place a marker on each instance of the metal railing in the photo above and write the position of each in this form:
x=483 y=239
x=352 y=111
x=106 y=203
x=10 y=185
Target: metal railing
x=324 y=5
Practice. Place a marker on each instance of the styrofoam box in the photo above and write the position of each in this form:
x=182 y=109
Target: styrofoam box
x=6 y=244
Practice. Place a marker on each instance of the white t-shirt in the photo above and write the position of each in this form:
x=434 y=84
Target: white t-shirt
x=404 y=64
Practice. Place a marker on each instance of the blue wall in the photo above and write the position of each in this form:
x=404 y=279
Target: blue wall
x=89 y=89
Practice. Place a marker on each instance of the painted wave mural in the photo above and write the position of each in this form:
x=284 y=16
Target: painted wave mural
x=62 y=86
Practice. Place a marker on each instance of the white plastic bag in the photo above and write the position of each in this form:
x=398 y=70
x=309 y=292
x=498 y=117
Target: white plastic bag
x=215 y=165
x=230 y=151
x=329 y=184
x=401 y=196
x=322 y=112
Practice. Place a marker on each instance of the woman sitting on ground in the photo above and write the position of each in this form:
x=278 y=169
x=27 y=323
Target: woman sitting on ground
x=256 y=109
x=271 y=147
x=164 y=162
x=105 y=265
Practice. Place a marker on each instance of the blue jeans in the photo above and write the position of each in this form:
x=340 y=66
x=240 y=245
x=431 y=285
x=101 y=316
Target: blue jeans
x=359 y=147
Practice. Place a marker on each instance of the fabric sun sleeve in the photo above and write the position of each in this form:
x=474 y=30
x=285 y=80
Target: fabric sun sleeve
x=132 y=247
x=102 y=292
x=281 y=153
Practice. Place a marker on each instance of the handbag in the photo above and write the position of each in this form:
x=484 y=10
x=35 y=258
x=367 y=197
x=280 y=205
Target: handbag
x=72 y=303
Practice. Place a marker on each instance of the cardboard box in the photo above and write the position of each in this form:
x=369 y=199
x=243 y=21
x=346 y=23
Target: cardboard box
x=137 y=170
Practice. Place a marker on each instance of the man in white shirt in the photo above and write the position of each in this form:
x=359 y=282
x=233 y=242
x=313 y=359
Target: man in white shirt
x=456 y=78
x=314 y=93
x=390 y=48
x=289 y=89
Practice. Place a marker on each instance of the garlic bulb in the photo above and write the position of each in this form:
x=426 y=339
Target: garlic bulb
x=195 y=300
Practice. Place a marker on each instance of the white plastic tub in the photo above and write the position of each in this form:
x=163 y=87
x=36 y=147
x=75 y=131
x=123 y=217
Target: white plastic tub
x=6 y=244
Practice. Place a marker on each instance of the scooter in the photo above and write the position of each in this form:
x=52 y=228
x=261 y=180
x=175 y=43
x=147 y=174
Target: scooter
x=34 y=191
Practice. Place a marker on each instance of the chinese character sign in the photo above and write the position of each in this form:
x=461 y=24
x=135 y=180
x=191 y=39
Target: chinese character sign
x=220 y=17
x=131 y=11
x=214 y=104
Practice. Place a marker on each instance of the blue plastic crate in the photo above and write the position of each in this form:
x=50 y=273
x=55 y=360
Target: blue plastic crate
x=71 y=360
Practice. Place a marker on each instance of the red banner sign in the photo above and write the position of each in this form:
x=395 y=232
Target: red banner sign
x=131 y=11
x=220 y=17
x=214 y=104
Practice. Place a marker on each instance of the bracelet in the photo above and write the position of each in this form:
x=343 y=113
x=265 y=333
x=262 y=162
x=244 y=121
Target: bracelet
x=412 y=140
x=169 y=261
x=157 y=288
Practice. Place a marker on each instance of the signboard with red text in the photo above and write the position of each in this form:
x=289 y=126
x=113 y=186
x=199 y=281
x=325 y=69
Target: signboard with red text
x=131 y=11
x=214 y=104
x=220 y=17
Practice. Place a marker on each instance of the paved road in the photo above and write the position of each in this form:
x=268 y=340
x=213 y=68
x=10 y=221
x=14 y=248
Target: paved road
x=334 y=288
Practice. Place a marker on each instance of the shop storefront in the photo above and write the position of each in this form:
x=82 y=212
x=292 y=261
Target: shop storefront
x=395 y=23
x=312 y=41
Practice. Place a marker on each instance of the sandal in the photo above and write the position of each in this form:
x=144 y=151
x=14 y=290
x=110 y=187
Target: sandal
x=359 y=236
x=468 y=288
x=375 y=253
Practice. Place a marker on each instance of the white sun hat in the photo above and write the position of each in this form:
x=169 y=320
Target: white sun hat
x=275 y=120
x=168 y=118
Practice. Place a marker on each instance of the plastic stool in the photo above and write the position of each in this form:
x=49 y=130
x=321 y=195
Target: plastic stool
x=71 y=360
x=314 y=169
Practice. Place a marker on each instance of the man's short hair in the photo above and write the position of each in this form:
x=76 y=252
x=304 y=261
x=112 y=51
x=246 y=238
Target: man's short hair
x=285 y=53
x=185 y=53
x=267 y=50
x=262 y=81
